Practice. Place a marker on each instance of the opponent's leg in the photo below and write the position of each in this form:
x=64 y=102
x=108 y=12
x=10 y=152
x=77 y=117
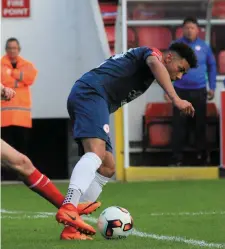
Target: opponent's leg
x=34 y=179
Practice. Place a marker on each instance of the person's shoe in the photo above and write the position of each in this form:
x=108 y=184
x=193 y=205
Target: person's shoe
x=86 y=208
x=68 y=215
x=70 y=233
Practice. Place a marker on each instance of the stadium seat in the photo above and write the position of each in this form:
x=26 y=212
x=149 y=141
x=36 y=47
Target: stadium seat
x=109 y=12
x=110 y=31
x=158 y=124
x=156 y=110
x=157 y=128
x=212 y=131
x=212 y=110
x=112 y=50
x=159 y=135
x=144 y=11
x=221 y=62
x=179 y=33
x=218 y=10
x=159 y=37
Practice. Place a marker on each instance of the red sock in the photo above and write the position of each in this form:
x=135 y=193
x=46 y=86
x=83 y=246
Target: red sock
x=41 y=184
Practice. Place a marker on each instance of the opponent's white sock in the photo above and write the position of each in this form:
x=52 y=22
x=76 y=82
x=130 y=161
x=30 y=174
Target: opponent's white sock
x=82 y=176
x=95 y=189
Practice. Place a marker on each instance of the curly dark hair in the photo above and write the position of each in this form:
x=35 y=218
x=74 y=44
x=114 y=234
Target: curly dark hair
x=185 y=52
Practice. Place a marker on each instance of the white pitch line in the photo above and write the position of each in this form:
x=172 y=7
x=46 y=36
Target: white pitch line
x=4 y=211
x=22 y=217
x=37 y=215
x=193 y=242
x=199 y=213
x=189 y=213
x=201 y=243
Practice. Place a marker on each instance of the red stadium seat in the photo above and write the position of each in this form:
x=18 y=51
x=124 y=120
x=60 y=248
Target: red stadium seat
x=159 y=135
x=218 y=9
x=158 y=124
x=131 y=38
x=158 y=37
x=110 y=31
x=144 y=11
x=221 y=62
x=109 y=12
x=179 y=33
x=156 y=110
x=158 y=128
x=211 y=130
x=212 y=110
x=112 y=50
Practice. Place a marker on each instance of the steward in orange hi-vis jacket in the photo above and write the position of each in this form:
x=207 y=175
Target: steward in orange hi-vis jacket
x=19 y=75
x=16 y=119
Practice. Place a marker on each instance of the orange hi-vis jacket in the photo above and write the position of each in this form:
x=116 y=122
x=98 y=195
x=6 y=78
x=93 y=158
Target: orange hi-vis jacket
x=17 y=111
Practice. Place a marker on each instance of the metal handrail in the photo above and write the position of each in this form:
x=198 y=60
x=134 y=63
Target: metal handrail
x=174 y=22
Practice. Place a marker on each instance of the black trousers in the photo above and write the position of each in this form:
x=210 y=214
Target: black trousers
x=182 y=124
x=17 y=137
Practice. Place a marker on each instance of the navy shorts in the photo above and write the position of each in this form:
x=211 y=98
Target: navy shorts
x=89 y=112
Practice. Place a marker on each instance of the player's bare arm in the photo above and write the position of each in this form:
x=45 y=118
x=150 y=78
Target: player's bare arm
x=163 y=78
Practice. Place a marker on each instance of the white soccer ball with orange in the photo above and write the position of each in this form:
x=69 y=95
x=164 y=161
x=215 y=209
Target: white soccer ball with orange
x=115 y=223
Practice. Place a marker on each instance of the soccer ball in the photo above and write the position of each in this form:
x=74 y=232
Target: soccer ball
x=115 y=223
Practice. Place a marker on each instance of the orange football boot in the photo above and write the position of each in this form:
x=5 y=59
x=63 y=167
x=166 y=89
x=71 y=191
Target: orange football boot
x=70 y=233
x=86 y=208
x=68 y=215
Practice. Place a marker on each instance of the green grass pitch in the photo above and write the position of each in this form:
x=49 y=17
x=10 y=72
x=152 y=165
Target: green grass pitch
x=176 y=214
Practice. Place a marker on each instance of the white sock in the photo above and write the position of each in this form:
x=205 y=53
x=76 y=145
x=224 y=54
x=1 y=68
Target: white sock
x=95 y=189
x=73 y=196
x=82 y=176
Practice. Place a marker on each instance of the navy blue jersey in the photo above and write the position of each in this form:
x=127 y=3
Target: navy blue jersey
x=123 y=76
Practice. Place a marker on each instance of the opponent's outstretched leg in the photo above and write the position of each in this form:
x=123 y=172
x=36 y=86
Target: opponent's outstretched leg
x=37 y=181
x=33 y=178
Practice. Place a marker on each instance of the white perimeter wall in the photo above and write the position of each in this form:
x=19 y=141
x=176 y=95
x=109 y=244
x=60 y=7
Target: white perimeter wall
x=63 y=38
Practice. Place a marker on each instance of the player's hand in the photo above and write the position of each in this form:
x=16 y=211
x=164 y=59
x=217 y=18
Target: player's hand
x=185 y=107
x=167 y=98
x=7 y=93
x=210 y=94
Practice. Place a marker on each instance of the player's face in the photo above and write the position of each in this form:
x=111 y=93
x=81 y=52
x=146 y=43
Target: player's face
x=190 y=31
x=12 y=49
x=176 y=66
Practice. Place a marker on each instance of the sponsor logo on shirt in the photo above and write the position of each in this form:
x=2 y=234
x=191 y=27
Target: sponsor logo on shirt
x=198 y=48
x=131 y=96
